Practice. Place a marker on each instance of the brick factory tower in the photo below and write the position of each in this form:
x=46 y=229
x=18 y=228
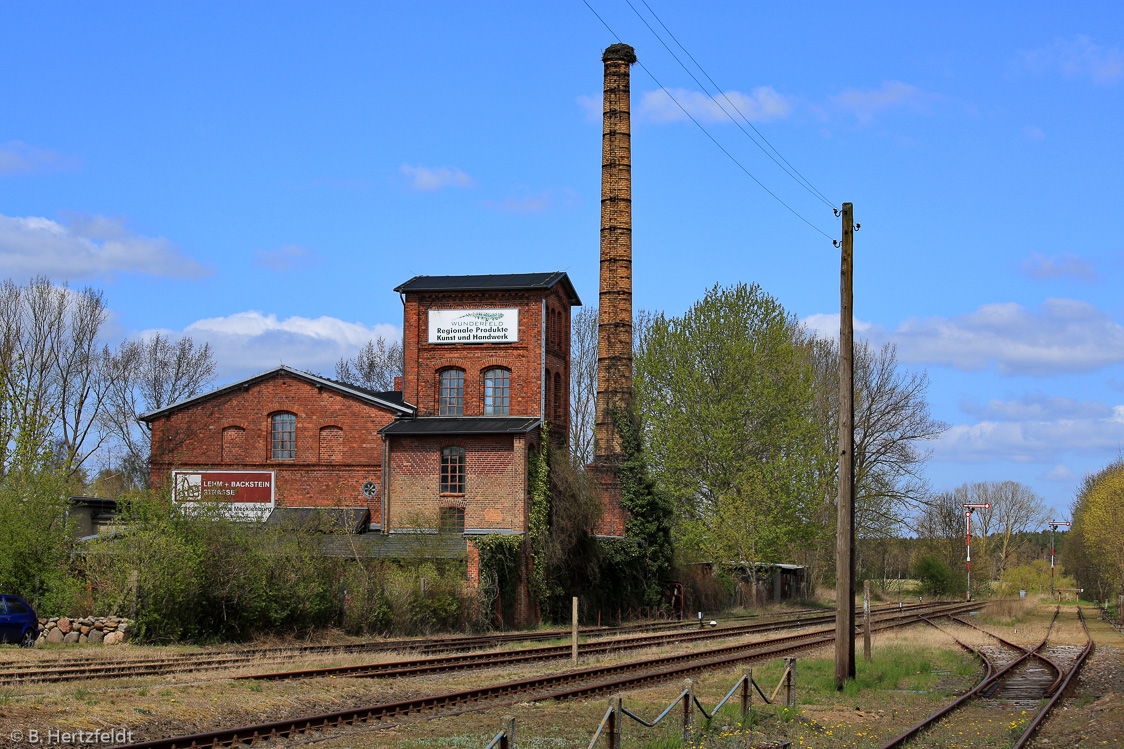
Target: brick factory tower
x=614 y=324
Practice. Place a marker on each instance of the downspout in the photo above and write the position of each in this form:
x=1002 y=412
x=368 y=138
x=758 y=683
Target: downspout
x=385 y=484
x=542 y=362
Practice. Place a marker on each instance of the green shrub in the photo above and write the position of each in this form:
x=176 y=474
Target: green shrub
x=934 y=575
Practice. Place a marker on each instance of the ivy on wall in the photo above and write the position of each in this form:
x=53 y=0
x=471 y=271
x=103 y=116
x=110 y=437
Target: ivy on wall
x=500 y=556
x=650 y=511
x=543 y=586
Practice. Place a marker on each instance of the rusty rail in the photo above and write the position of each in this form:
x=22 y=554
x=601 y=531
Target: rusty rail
x=1038 y=719
x=666 y=667
x=990 y=678
x=420 y=667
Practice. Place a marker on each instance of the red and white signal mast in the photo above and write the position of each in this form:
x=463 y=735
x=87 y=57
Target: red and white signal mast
x=968 y=509
x=1053 y=527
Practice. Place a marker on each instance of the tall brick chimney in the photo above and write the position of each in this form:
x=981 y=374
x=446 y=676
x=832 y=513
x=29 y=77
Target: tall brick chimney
x=614 y=323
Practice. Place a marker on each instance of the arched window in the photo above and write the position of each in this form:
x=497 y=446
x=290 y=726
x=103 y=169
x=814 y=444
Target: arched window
x=283 y=436
x=233 y=442
x=558 y=399
x=450 y=393
x=548 y=395
x=331 y=444
x=497 y=392
x=452 y=470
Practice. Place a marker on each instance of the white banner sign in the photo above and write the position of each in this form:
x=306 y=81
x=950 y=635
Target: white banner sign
x=243 y=494
x=473 y=325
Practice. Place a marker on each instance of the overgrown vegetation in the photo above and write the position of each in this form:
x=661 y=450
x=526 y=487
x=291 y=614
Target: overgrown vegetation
x=1095 y=544
x=935 y=576
x=650 y=510
x=198 y=574
x=500 y=562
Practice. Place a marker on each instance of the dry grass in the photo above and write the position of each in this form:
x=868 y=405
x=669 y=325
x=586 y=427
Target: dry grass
x=1008 y=610
x=190 y=702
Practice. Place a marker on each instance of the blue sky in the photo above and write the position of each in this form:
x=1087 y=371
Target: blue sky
x=261 y=175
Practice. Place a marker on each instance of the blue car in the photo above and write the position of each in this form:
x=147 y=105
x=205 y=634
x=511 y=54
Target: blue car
x=18 y=622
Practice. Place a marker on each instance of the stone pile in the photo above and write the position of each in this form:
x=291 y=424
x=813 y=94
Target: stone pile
x=95 y=630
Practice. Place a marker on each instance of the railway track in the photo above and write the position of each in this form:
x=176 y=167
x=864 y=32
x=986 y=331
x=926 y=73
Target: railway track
x=568 y=685
x=37 y=672
x=226 y=659
x=1013 y=679
x=420 y=667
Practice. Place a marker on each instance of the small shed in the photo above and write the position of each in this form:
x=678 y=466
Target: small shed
x=92 y=515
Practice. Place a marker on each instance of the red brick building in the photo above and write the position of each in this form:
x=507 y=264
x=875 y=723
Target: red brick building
x=486 y=365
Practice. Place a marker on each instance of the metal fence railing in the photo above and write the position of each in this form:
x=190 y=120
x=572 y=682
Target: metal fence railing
x=612 y=723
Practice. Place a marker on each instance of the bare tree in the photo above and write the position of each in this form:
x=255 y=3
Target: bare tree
x=892 y=422
x=144 y=376
x=53 y=374
x=583 y=376
x=940 y=523
x=1015 y=510
x=374 y=367
x=583 y=384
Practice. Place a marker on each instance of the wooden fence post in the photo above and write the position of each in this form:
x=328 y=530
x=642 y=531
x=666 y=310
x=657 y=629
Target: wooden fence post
x=688 y=700
x=790 y=682
x=574 y=632
x=508 y=728
x=747 y=693
x=866 y=620
x=616 y=721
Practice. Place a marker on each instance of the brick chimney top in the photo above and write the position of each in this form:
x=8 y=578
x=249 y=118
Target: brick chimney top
x=621 y=52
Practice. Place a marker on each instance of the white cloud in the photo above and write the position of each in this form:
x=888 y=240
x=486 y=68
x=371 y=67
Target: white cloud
x=865 y=103
x=283 y=258
x=249 y=342
x=1037 y=265
x=427 y=178
x=87 y=247
x=1037 y=406
x=826 y=325
x=1076 y=57
x=1059 y=473
x=1034 y=133
x=17 y=157
x=1062 y=335
x=763 y=104
x=1031 y=441
x=592 y=107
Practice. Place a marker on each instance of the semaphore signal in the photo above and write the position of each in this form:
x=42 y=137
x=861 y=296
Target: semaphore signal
x=968 y=509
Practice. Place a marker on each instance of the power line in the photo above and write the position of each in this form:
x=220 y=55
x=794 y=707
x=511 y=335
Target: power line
x=708 y=135
x=787 y=166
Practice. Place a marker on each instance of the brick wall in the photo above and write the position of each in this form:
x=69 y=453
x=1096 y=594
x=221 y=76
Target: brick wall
x=614 y=329
x=495 y=496
x=337 y=442
x=525 y=359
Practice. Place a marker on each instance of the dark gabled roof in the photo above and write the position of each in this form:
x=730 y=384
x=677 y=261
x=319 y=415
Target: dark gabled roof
x=403 y=546
x=99 y=502
x=494 y=282
x=390 y=396
x=389 y=400
x=322 y=519
x=463 y=425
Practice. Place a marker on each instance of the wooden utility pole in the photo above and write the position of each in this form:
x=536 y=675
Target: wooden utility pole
x=845 y=526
